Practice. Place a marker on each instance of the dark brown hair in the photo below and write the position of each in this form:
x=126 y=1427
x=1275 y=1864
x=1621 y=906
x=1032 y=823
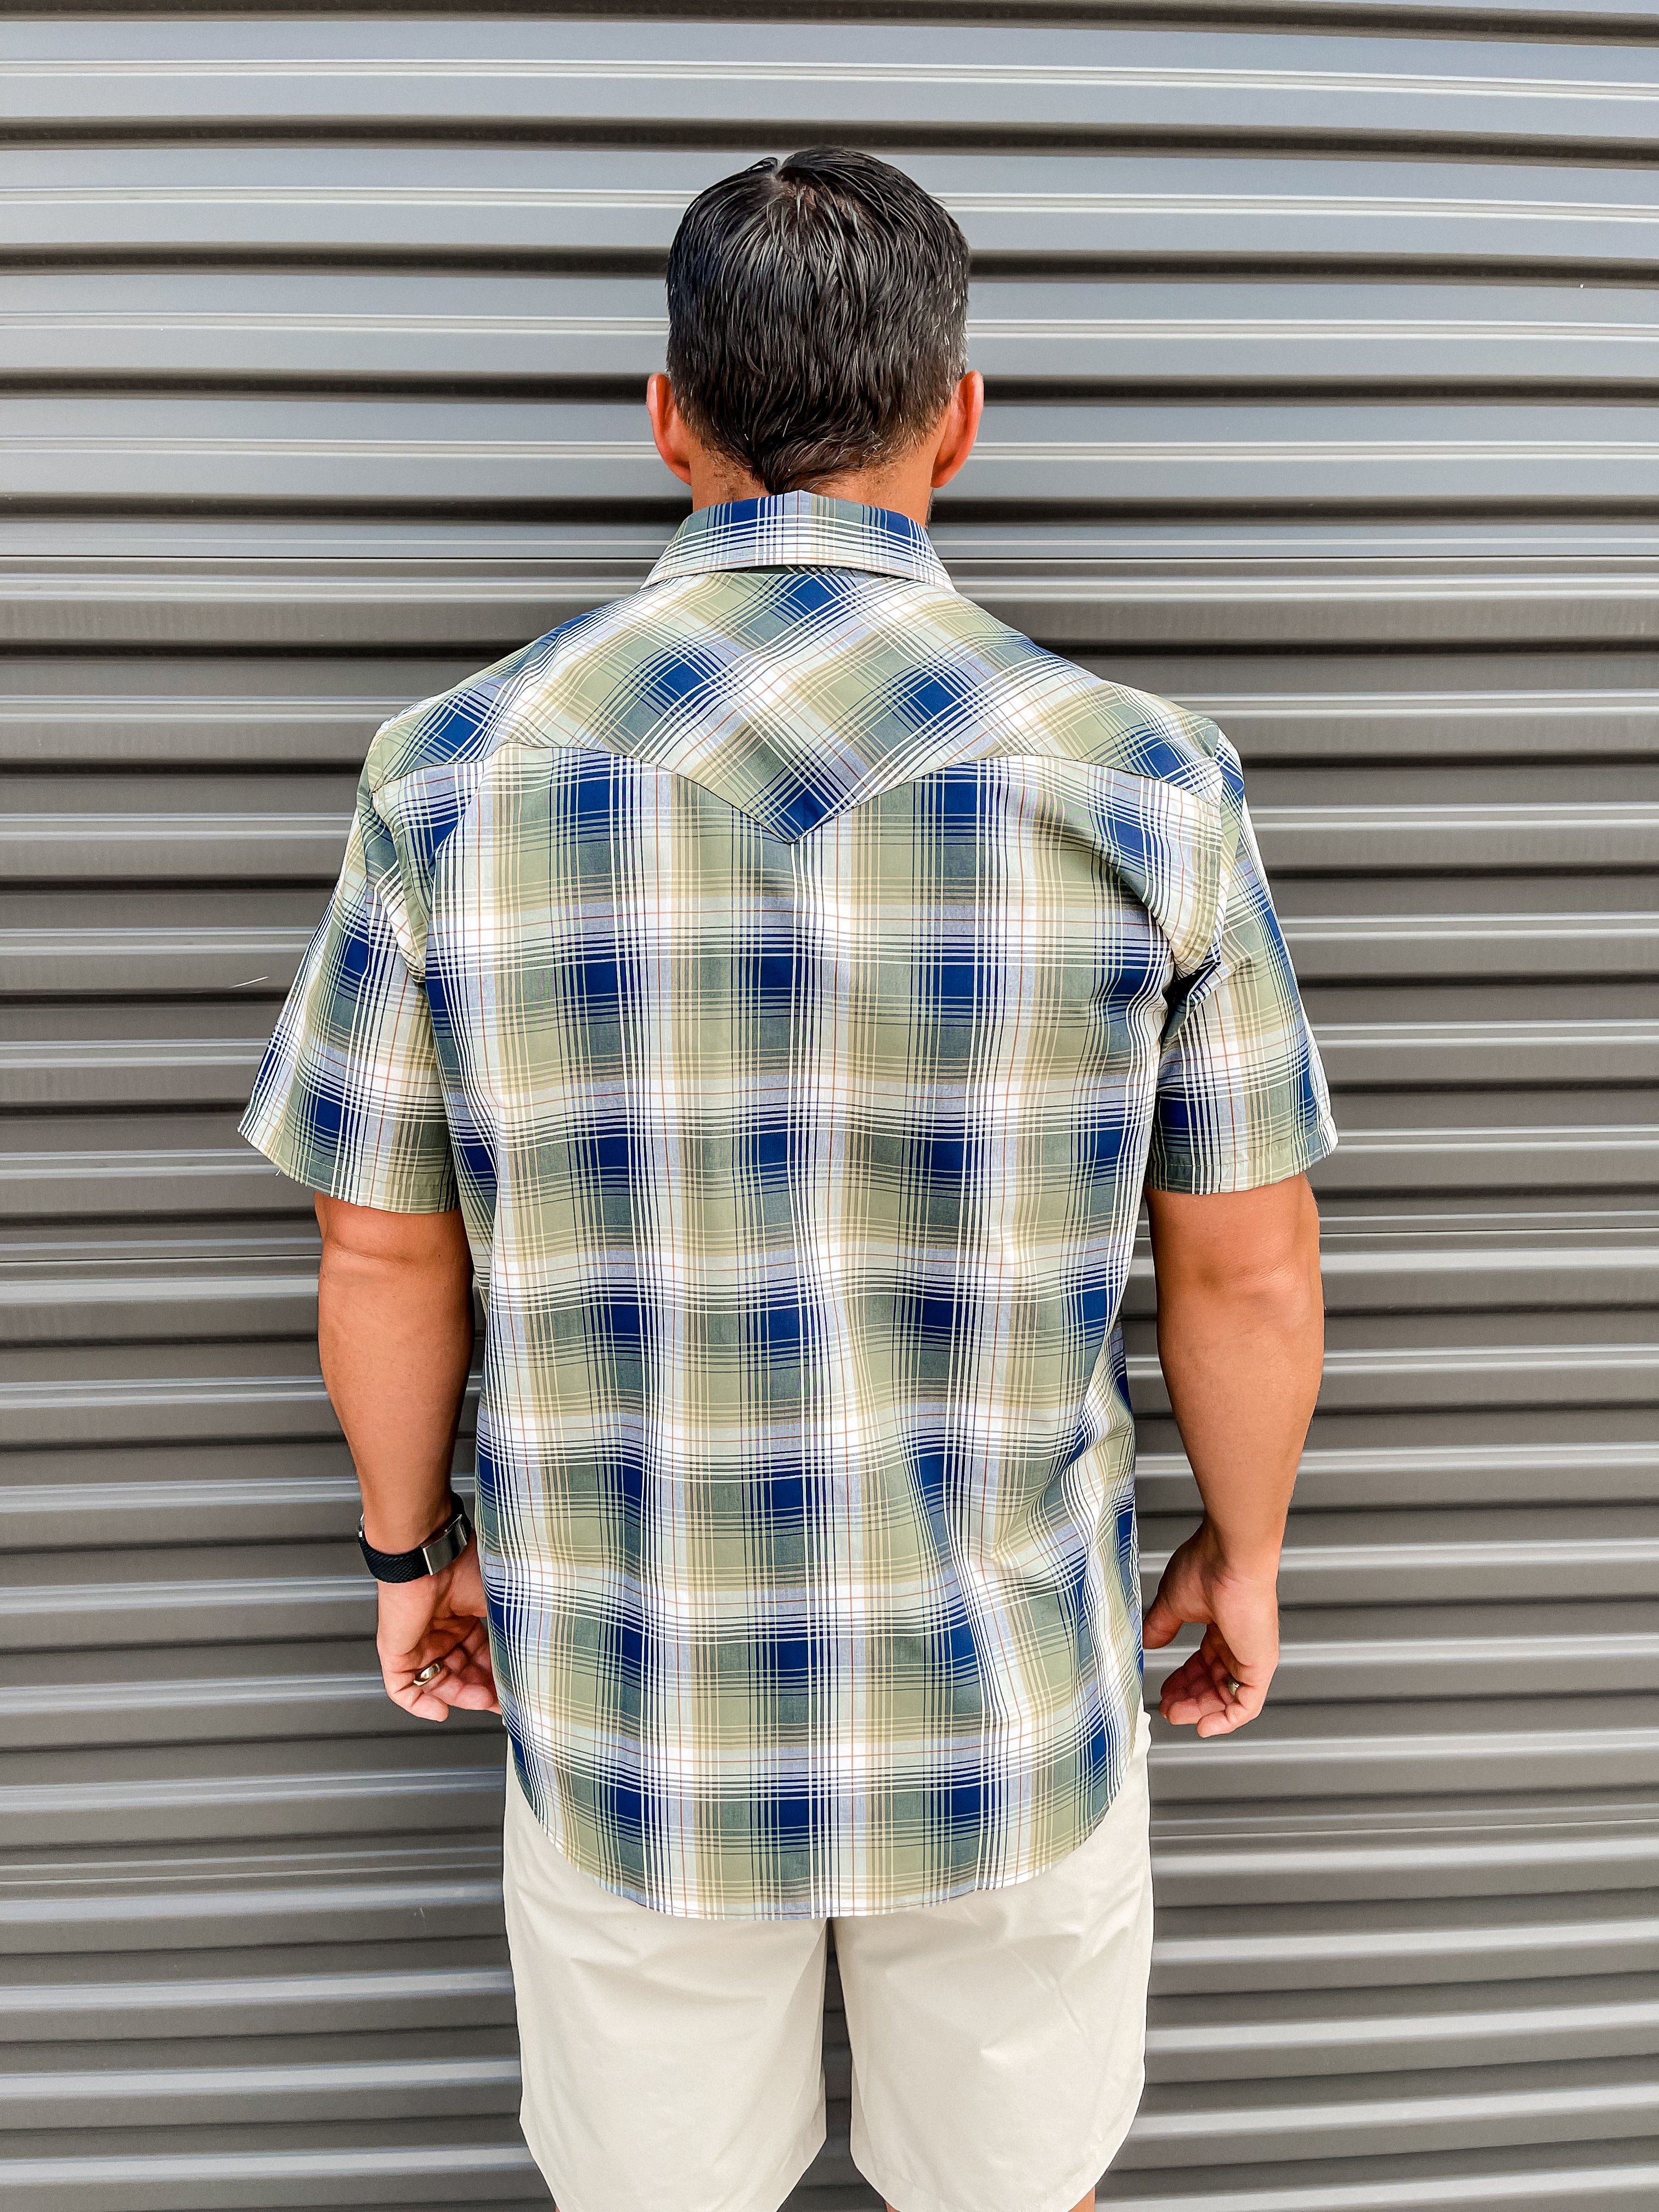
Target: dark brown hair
x=817 y=315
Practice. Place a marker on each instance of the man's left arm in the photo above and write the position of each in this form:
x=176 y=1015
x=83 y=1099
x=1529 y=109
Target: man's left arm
x=394 y=1327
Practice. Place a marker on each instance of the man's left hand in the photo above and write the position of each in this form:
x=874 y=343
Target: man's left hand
x=441 y=1617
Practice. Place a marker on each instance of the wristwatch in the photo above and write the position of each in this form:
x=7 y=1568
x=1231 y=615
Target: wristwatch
x=438 y=1551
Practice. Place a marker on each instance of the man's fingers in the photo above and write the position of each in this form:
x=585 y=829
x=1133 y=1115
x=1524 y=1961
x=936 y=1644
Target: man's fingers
x=421 y=1702
x=1188 y=1692
x=1188 y=1676
x=466 y=1681
x=476 y=1698
x=1237 y=1712
x=1237 y=1701
x=1187 y=1712
x=1204 y=1691
x=434 y=1701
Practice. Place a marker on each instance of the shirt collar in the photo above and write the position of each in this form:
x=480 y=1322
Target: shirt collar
x=801 y=529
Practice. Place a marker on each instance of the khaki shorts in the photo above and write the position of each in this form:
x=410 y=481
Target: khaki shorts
x=997 y=2040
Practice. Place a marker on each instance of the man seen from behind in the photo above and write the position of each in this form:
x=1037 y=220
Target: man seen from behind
x=779 y=989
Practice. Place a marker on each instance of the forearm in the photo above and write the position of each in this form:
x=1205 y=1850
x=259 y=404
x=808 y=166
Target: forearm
x=394 y=1328
x=1241 y=1338
x=1241 y=1346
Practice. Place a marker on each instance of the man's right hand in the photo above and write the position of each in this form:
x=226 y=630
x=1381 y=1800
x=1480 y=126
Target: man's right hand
x=442 y=1616
x=1241 y=1330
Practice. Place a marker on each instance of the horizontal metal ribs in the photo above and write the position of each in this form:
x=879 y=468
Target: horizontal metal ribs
x=1321 y=368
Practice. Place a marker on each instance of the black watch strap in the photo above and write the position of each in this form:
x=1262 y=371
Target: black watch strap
x=439 y=1551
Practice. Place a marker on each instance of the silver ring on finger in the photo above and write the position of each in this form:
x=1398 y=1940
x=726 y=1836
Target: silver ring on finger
x=1234 y=1685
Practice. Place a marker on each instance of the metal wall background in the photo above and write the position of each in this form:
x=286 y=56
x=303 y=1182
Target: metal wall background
x=1324 y=352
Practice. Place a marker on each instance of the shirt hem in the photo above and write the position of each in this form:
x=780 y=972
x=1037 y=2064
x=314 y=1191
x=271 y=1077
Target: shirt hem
x=824 y=1908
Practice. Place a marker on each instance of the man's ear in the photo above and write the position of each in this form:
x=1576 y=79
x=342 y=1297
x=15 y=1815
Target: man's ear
x=668 y=426
x=957 y=430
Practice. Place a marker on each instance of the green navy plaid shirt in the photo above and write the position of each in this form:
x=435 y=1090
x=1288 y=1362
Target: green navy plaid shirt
x=795 y=975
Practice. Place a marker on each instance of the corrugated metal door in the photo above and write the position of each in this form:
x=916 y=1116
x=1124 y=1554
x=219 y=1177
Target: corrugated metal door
x=1323 y=350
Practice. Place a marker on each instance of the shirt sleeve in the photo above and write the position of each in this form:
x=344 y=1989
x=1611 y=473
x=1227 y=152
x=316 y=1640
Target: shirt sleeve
x=1241 y=1098
x=349 y=1099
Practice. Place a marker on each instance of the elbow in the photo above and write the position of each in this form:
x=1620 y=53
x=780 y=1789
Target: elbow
x=1276 y=1310
x=1288 y=1296
x=1254 y=1254
x=1284 y=1290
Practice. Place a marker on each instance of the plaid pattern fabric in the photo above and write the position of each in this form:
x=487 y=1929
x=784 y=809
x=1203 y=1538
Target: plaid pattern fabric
x=795 y=975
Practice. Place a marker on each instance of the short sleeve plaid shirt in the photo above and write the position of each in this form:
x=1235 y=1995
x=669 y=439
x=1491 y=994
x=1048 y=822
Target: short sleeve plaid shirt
x=795 y=975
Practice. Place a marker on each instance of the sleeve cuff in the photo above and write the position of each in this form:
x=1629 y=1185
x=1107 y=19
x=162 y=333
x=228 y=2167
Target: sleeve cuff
x=1255 y=1173
x=388 y=1190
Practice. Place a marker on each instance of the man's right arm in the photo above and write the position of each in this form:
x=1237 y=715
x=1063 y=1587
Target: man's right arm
x=1241 y=1341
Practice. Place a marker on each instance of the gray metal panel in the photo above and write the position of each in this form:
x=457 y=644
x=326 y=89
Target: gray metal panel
x=1050 y=82
x=397 y=328
x=554 y=207
x=1320 y=344
x=65 y=449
